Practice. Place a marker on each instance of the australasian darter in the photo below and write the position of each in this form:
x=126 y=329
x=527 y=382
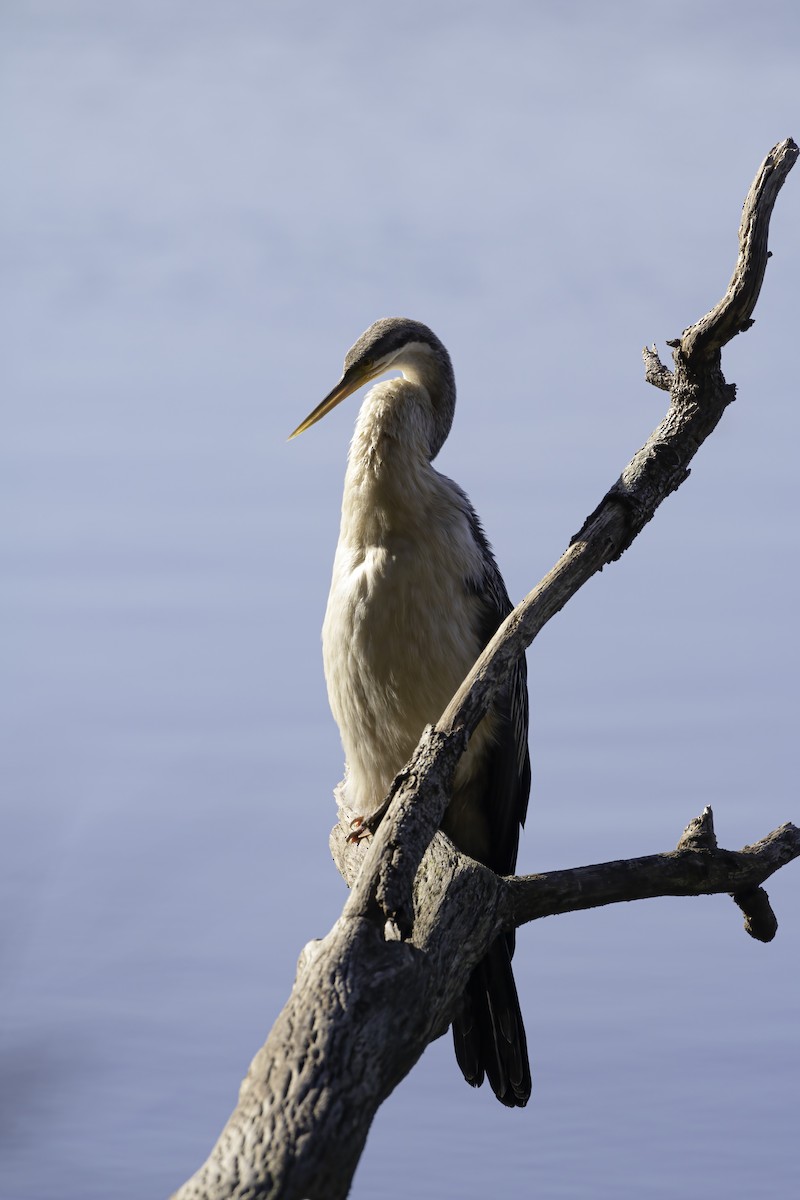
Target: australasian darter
x=416 y=595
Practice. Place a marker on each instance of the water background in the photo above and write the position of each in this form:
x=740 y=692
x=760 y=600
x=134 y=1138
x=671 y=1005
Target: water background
x=204 y=205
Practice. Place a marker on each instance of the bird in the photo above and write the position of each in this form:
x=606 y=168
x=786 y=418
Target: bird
x=415 y=596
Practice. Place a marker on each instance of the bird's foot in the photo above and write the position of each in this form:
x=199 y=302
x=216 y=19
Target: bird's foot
x=359 y=830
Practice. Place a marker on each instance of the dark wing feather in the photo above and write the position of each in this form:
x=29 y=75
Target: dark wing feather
x=509 y=768
x=488 y=1033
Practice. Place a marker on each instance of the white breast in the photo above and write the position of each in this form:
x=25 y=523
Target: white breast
x=401 y=627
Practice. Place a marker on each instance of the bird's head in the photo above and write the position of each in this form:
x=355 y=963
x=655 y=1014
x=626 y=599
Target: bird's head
x=396 y=344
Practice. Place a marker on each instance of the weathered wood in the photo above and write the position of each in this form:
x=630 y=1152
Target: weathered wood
x=385 y=981
x=687 y=871
x=363 y=1008
x=364 y=1005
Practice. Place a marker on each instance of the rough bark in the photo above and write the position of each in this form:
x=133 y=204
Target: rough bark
x=419 y=915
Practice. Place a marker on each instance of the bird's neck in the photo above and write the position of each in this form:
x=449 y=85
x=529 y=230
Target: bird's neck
x=389 y=474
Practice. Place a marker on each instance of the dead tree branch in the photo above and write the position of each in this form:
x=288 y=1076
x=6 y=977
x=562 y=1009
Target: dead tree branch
x=420 y=915
x=690 y=870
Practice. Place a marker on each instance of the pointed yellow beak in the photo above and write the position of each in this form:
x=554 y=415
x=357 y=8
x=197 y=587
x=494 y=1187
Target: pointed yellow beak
x=350 y=382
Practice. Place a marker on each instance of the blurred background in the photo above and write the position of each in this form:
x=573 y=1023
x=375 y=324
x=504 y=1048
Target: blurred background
x=204 y=204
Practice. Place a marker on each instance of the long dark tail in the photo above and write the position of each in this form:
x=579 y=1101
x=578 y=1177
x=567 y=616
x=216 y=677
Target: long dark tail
x=488 y=1033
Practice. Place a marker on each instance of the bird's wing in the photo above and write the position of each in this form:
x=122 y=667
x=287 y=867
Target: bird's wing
x=488 y=1032
x=509 y=768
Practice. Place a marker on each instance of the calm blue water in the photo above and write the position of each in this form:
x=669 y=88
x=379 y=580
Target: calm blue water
x=201 y=221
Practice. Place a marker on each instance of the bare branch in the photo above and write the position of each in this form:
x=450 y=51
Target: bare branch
x=654 y=370
x=699 y=396
x=687 y=871
x=734 y=312
x=759 y=919
x=699 y=833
